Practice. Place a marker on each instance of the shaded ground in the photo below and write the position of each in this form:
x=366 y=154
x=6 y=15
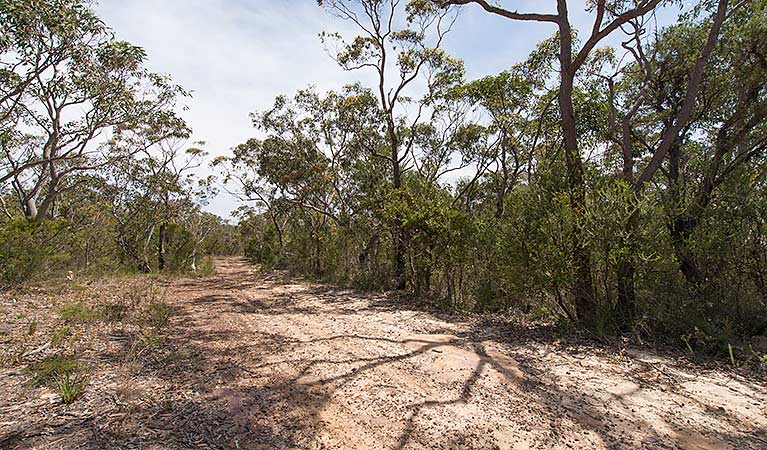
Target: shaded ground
x=264 y=362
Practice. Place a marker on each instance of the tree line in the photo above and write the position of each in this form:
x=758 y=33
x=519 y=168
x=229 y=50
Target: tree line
x=620 y=188
x=96 y=171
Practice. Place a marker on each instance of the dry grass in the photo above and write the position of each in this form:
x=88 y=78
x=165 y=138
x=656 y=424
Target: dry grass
x=49 y=330
x=240 y=361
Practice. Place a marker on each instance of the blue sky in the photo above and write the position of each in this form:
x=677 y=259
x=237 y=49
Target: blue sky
x=237 y=55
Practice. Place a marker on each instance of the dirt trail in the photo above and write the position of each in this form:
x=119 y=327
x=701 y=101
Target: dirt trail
x=262 y=362
x=298 y=365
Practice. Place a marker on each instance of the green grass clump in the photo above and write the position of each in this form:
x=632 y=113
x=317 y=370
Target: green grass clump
x=69 y=387
x=51 y=368
x=157 y=314
x=78 y=312
x=62 y=374
x=59 y=334
x=115 y=311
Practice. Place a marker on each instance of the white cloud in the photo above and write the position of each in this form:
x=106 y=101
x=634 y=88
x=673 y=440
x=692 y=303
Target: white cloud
x=235 y=56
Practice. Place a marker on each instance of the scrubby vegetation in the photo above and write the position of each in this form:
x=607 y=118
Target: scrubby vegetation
x=621 y=189
x=580 y=239
x=96 y=174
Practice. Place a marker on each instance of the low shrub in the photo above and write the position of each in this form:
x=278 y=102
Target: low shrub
x=78 y=312
x=157 y=314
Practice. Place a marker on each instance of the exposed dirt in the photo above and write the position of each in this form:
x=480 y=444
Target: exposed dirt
x=257 y=361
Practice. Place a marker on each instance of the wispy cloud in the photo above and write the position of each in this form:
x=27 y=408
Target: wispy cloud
x=237 y=55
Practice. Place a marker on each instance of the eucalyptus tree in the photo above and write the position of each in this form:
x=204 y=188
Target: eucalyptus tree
x=309 y=160
x=169 y=177
x=655 y=104
x=514 y=103
x=68 y=86
x=151 y=190
x=34 y=37
x=696 y=113
x=200 y=225
x=401 y=55
x=241 y=170
x=573 y=58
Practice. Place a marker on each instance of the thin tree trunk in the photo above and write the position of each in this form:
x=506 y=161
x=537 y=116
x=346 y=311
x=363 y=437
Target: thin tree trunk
x=398 y=234
x=161 y=247
x=318 y=256
x=501 y=197
x=681 y=229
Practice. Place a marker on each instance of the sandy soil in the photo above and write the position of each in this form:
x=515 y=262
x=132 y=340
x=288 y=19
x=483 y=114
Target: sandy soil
x=257 y=361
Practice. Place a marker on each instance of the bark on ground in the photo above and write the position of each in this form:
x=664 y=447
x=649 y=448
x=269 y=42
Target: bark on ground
x=263 y=361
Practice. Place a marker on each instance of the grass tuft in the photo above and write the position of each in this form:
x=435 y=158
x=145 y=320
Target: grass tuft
x=115 y=311
x=157 y=314
x=59 y=335
x=51 y=368
x=78 y=312
x=69 y=387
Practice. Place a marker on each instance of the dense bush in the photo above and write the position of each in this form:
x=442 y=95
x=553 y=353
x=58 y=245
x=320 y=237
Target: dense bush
x=597 y=234
x=28 y=248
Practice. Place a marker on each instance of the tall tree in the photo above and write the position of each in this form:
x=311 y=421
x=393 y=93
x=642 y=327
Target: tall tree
x=608 y=17
x=399 y=57
x=309 y=159
x=67 y=86
x=675 y=94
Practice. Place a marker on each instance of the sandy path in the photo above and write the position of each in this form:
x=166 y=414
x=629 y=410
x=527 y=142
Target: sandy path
x=291 y=365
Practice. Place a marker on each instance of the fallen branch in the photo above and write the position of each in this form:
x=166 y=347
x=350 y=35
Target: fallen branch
x=39 y=349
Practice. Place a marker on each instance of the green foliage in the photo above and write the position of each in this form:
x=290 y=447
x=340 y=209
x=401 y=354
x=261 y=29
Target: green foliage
x=157 y=314
x=50 y=369
x=69 y=387
x=78 y=312
x=114 y=311
x=60 y=334
x=681 y=256
x=206 y=267
x=28 y=248
x=73 y=201
x=469 y=197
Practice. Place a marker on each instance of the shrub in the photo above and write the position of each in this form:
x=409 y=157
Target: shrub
x=141 y=345
x=135 y=296
x=114 y=311
x=27 y=247
x=157 y=314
